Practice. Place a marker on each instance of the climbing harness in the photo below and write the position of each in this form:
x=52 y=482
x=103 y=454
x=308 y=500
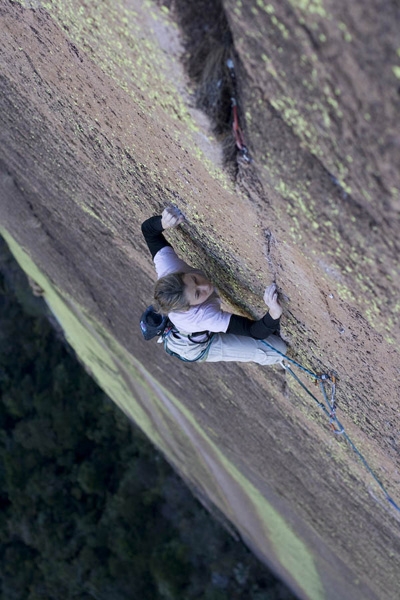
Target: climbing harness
x=154 y=324
x=329 y=408
x=237 y=132
x=203 y=352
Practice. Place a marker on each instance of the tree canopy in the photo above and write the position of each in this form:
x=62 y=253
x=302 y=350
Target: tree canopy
x=89 y=508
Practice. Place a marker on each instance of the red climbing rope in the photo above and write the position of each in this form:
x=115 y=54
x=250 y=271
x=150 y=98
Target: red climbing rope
x=237 y=131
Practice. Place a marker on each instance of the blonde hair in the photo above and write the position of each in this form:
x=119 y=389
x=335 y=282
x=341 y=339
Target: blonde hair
x=169 y=294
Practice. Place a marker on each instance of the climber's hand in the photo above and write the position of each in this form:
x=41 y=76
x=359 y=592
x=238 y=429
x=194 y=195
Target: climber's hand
x=271 y=300
x=171 y=217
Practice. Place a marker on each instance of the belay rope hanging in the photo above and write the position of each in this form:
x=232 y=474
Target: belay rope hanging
x=329 y=408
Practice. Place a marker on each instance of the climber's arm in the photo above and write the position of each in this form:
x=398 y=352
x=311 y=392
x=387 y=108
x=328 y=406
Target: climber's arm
x=152 y=228
x=259 y=330
x=262 y=328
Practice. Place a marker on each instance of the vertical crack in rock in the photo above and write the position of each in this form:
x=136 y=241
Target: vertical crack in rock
x=214 y=66
x=209 y=51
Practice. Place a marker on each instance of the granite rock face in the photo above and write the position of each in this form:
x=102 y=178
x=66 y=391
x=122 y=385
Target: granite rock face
x=99 y=130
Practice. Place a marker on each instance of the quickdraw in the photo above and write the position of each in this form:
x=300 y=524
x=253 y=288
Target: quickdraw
x=329 y=408
x=337 y=428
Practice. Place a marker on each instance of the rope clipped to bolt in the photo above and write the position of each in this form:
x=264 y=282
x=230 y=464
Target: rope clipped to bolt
x=329 y=408
x=237 y=131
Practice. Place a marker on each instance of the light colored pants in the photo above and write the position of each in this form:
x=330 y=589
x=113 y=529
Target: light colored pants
x=227 y=347
x=239 y=348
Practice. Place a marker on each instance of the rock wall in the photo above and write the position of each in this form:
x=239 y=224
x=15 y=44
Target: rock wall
x=99 y=129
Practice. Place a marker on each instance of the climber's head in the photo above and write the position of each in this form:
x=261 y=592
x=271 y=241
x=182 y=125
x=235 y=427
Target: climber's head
x=180 y=291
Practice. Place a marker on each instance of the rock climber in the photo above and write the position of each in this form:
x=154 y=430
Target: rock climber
x=200 y=330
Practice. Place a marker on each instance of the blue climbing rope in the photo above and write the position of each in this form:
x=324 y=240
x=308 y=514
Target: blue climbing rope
x=329 y=408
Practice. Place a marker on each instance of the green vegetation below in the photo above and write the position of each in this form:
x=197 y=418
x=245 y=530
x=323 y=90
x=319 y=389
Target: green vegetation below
x=89 y=507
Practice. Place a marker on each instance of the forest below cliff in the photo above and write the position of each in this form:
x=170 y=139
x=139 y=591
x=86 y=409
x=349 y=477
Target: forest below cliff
x=89 y=508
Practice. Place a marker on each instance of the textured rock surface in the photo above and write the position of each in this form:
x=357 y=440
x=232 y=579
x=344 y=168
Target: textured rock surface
x=98 y=131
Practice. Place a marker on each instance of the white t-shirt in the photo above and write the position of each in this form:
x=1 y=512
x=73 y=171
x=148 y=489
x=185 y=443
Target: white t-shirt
x=207 y=316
